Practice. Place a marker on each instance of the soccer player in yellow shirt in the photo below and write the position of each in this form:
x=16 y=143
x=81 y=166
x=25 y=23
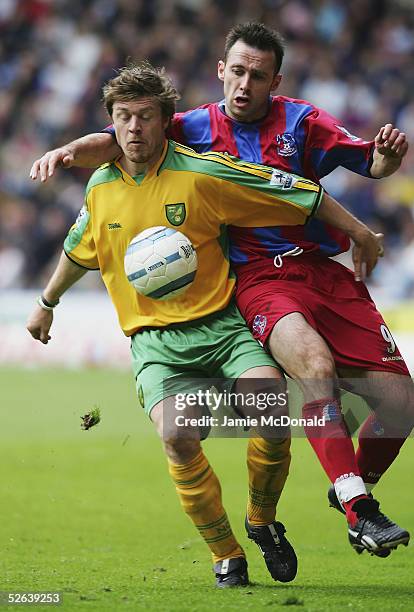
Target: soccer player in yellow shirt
x=169 y=337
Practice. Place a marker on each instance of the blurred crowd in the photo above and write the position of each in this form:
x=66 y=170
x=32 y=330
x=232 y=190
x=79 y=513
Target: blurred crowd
x=354 y=59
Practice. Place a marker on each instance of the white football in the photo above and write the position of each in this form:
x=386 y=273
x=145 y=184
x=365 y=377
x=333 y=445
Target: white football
x=160 y=263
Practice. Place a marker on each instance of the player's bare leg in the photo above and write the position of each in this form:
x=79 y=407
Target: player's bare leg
x=268 y=460
x=200 y=494
x=303 y=353
x=305 y=356
x=391 y=399
x=309 y=361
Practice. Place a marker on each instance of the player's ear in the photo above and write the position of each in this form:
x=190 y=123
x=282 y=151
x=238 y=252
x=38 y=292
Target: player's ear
x=220 y=70
x=276 y=82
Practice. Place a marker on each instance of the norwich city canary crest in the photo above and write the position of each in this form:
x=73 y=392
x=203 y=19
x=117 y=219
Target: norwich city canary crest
x=175 y=213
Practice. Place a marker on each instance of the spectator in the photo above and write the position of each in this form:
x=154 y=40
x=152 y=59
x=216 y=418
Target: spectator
x=353 y=58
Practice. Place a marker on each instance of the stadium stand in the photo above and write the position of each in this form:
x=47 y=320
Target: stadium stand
x=354 y=59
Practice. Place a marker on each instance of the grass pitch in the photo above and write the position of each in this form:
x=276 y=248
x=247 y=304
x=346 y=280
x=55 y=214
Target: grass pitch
x=93 y=514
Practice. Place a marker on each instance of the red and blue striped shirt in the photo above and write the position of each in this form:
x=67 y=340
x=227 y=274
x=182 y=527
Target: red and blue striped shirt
x=296 y=137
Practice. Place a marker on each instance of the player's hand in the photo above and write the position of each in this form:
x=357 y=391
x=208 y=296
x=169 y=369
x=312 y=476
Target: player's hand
x=391 y=142
x=46 y=165
x=390 y=147
x=39 y=324
x=367 y=249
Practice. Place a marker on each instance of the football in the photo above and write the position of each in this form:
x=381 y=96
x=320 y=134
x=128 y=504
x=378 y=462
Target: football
x=160 y=263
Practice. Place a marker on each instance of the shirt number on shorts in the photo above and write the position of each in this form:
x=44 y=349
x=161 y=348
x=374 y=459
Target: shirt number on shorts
x=386 y=334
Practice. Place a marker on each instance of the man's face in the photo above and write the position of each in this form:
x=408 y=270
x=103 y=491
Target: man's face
x=140 y=129
x=248 y=77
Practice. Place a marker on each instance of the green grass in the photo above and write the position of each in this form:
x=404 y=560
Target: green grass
x=93 y=514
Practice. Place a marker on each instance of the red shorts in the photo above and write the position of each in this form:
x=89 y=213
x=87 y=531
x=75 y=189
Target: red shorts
x=325 y=292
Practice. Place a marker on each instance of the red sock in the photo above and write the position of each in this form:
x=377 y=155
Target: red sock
x=377 y=449
x=331 y=442
x=351 y=516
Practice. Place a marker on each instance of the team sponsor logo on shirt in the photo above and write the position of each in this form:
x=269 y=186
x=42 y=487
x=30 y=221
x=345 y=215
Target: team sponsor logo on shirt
x=286 y=145
x=350 y=136
x=282 y=179
x=259 y=324
x=114 y=226
x=175 y=213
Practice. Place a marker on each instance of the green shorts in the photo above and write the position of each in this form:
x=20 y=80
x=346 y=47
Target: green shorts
x=217 y=346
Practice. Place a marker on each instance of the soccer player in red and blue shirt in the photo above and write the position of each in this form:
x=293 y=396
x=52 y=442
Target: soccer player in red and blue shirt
x=317 y=320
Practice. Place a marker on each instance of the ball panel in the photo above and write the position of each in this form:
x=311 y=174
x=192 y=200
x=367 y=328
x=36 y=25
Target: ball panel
x=160 y=262
x=172 y=287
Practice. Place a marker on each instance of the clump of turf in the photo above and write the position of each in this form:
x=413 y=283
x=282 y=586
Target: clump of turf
x=91 y=419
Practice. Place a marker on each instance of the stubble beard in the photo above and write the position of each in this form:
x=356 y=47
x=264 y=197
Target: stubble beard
x=138 y=158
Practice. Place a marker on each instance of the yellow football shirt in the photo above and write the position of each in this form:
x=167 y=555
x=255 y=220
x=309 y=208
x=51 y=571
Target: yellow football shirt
x=214 y=190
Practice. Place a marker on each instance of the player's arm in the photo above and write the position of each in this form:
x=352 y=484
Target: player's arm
x=368 y=245
x=66 y=274
x=290 y=200
x=91 y=151
x=88 y=152
x=329 y=145
x=390 y=147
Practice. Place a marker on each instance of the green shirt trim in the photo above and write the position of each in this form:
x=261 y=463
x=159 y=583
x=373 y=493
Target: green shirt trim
x=306 y=194
x=76 y=232
x=104 y=174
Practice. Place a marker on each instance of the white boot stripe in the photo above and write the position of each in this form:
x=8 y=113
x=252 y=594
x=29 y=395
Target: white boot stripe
x=274 y=533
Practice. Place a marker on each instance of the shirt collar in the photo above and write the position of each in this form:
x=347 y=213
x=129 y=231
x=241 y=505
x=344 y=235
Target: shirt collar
x=153 y=171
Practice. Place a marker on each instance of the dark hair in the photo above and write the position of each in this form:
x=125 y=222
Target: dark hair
x=259 y=36
x=139 y=80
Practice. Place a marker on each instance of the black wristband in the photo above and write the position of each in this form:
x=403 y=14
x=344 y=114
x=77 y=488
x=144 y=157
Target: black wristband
x=49 y=304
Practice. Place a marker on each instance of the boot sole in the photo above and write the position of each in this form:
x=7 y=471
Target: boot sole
x=368 y=544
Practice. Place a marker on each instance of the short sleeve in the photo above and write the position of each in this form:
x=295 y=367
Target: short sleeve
x=329 y=145
x=79 y=244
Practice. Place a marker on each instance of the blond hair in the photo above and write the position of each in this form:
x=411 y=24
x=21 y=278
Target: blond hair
x=141 y=80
